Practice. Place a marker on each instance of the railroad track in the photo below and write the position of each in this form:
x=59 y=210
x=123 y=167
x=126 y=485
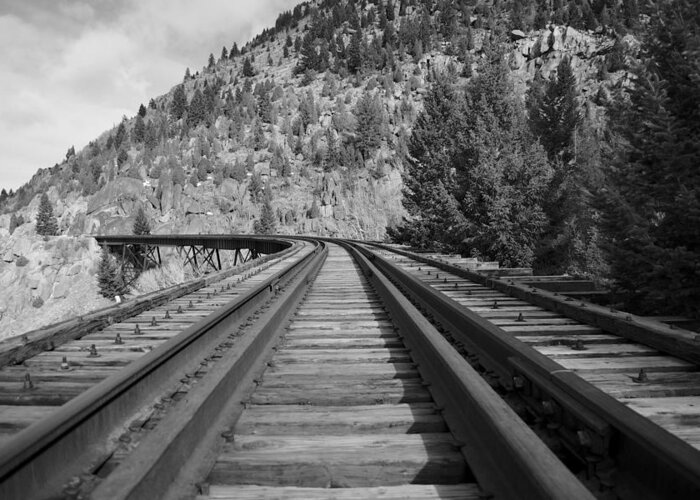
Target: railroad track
x=325 y=380
x=641 y=365
x=33 y=389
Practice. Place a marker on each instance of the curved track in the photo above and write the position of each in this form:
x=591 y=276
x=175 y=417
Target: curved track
x=317 y=378
x=662 y=388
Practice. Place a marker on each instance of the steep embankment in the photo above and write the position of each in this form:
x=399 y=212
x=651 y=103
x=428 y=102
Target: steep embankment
x=45 y=280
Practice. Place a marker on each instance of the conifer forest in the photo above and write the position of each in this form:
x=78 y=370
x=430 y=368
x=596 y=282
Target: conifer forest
x=562 y=135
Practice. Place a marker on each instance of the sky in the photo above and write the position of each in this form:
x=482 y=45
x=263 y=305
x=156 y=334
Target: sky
x=70 y=69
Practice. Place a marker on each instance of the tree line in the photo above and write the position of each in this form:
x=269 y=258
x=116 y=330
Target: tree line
x=531 y=184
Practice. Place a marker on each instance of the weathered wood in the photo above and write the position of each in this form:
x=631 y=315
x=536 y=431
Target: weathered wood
x=393 y=355
x=403 y=492
x=291 y=420
x=657 y=384
x=378 y=391
x=341 y=461
x=630 y=364
x=558 y=352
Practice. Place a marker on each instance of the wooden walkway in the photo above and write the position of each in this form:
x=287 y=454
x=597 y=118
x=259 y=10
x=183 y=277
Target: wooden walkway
x=341 y=406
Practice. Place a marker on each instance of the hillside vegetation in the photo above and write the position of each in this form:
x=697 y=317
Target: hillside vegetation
x=552 y=133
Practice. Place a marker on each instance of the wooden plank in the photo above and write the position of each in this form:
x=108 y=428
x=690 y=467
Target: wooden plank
x=341 y=343
x=524 y=329
x=542 y=340
x=659 y=384
x=354 y=333
x=341 y=461
x=344 y=356
x=558 y=352
x=14 y=418
x=43 y=394
x=630 y=364
x=678 y=415
x=403 y=492
x=298 y=420
x=376 y=391
x=387 y=370
x=338 y=325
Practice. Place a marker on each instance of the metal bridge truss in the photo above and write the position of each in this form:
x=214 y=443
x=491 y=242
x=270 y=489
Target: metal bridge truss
x=139 y=253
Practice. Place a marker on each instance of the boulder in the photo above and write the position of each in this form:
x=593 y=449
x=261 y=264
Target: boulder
x=60 y=290
x=192 y=207
x=75 y=269
x=177 y=197
x=517 y=35
x=122 y=188
x=166 y=196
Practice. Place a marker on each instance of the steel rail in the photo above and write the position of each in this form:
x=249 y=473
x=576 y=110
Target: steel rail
x=678 y=343
x=508 y=459
x=15 y=350
x=155 y=465
x=65 y=443
x=651 y=462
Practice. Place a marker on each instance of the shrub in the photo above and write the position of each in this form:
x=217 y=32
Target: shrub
x=22 y=261
x=37 y=302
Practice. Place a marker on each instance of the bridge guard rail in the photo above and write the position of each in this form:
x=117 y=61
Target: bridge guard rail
x=672 y=466
x=507 y=458
x=62 y=444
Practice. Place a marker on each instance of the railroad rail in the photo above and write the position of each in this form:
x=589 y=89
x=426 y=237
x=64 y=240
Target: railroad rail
x=621 y=391
x=319 y=377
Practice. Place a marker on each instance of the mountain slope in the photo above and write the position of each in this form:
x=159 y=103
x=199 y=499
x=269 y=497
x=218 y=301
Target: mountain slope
x=254 y=126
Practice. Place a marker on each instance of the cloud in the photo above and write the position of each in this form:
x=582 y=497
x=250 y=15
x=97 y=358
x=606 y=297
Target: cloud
x=72 y=68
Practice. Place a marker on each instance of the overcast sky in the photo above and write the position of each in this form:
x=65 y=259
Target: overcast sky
x=70 y=69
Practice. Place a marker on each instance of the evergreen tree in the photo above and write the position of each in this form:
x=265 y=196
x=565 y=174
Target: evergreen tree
x=248 y=69
x=139 y=129
x=224 y=53
x=197 y=109
x=355 y=52
x=267 y=224
x=142 y=111
x=178 y=105
x=555 y=116
x=120 y=135
x=475 y=180
x=141 y=224
x=212 y=62
x=109 y=278
x=652 y=206
x=46 y=224
x=370 y=121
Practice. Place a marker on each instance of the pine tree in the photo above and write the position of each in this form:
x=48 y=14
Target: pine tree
x=139 y=129
x=370 y=120
x=555 y=117
x=248 y=69
x=178 y=105
x=197 y=109
x=355 y=52
x=141 y=224
x=267 y=224
x=109 y=278
x=211 y=62
x=224 y=53
x=46 y=224
x=142 y=111
x=120 y=135
x=652 y=216
x=475 y=180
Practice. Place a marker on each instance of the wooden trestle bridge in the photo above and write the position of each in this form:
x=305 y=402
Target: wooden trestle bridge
x=318 y=368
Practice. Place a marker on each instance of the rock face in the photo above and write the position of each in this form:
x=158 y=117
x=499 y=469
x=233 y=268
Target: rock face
x=117 y=191
x=58 y=270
